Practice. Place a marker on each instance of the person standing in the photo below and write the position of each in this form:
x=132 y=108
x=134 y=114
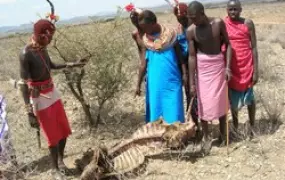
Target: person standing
x=244 y=66
x=43 y=104
x=164 y=78
x=206 y=36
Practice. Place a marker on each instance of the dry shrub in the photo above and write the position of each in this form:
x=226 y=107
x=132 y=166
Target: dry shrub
x=107 y=48
x=108 y=73
x=272 y=106
x=269 y=92
x=9 y=59
x=267 y=63
x=279 y=36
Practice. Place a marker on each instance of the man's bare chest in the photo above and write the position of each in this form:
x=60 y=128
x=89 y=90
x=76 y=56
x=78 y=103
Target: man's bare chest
x=39 y=66
x=207 y=35
x=39 y=60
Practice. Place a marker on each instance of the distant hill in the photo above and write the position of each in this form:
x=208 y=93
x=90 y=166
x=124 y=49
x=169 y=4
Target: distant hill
x=25 y=28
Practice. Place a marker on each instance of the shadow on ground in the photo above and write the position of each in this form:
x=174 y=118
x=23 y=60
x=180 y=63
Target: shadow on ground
x=262 y=127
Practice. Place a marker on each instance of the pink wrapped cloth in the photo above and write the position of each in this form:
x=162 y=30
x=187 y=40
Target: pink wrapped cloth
x=211 y=86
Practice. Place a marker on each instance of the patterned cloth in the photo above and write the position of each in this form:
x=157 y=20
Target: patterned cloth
x=6 y=148
x=239 y=99
x=164 y=40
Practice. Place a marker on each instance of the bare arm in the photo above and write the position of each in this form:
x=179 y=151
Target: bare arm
x=24 y=88
x=139 y=46
x=253 y=40
x=25 y=77
x=142 y=70
x=57 y=66
x=226 y=41
x=69 y=64
x=178 y=52
x=192 y=59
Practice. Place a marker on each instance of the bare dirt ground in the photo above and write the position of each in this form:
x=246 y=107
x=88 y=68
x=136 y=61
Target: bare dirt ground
x=260 y=158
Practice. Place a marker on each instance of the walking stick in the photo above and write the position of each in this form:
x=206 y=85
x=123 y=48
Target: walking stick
x=39 y=138
x=227 y=120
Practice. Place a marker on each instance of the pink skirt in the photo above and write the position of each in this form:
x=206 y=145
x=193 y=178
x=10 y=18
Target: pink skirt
x=211 y=87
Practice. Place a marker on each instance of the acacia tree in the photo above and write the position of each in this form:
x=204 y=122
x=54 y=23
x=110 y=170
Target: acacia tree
x=106 y=48
x=74 y=78
x=108 y=73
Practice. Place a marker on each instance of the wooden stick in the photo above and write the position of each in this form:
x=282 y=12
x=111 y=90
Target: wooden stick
x=39 y=138
x=227 y=120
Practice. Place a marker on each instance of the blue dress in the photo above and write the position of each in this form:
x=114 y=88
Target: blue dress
x=164 y=97
x=182 y=40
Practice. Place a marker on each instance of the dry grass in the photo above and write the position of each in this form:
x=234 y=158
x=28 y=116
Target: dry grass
x=261 y=158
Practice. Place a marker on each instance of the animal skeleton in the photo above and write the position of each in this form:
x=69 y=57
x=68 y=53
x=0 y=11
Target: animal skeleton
x=127 y=156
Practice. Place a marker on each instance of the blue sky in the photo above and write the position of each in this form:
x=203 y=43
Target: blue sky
x=16 y=12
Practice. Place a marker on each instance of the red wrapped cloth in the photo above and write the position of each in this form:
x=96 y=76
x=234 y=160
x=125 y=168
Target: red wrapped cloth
x=50 y=113
x=242 y=59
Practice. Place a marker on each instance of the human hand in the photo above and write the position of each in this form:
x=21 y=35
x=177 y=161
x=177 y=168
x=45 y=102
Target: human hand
x=83 y=60
x=255 y=78
x=138 y=91
x=79 y=63
x=228 y=74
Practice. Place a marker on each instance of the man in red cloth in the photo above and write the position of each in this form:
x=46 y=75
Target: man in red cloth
x=43 y=104
x=244 y=65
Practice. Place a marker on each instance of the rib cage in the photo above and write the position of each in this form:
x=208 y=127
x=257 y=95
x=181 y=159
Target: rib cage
x=150 y=139
x=129 y=160
x=169 y=134
x=147 y=133
x=149 y=130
